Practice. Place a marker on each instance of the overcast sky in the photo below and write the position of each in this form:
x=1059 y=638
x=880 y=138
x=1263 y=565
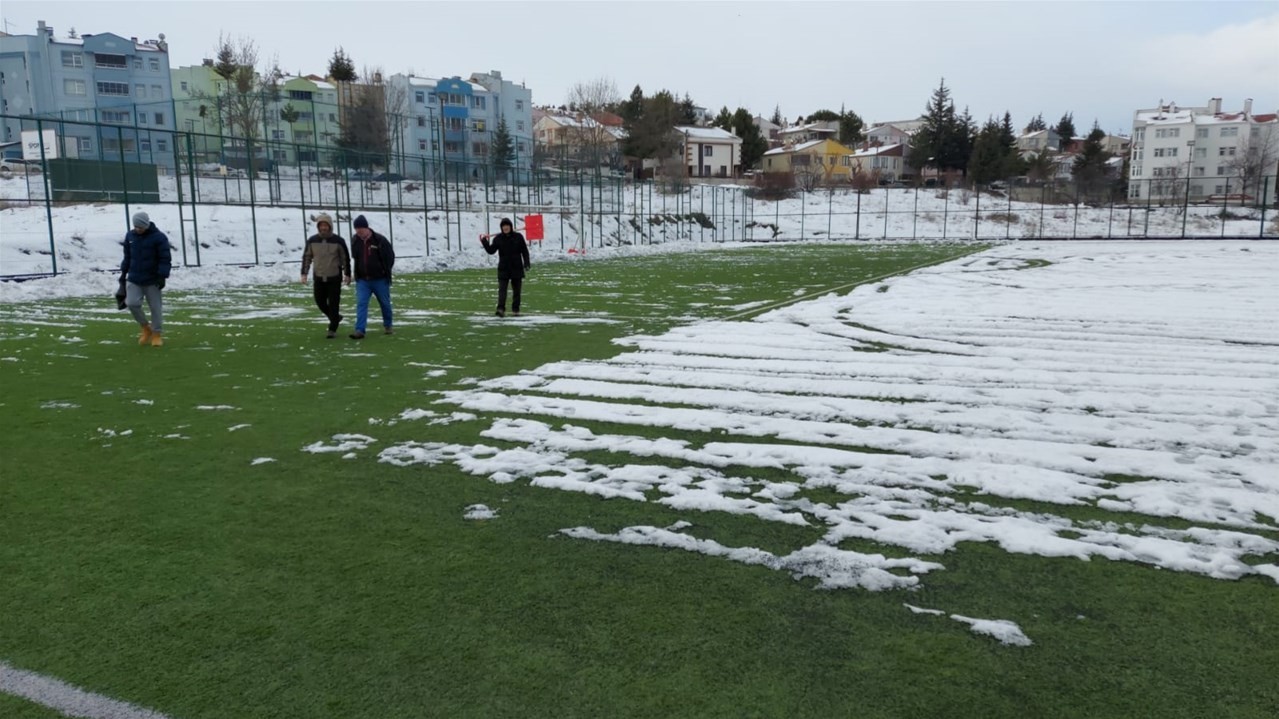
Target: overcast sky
x=1099 y=60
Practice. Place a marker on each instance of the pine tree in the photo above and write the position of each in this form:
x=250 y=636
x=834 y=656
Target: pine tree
x=988 y=158
x=943 y=140
x=687 y=111
x=1089 y=169
x=850 y=127
x=503 y=148
x=776 y=119
x=724 y=119
x=632 y=109
x=1036 y=124
x=1065 y=130
x=341 y=67
x=753 y=143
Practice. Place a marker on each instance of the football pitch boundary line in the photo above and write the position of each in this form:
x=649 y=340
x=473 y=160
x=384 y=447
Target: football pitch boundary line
x=67 y=698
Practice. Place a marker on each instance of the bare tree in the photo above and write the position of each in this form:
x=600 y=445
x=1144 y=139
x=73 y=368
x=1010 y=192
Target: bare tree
x=246 y=92
x=1257 y=159
x=1169 y=184
x=593 y=141
x=395 y=109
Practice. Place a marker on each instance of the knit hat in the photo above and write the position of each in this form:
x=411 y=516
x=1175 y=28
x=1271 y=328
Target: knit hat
x=506 y=222
x=324 y=219
x=141 y=219
x=360 y=222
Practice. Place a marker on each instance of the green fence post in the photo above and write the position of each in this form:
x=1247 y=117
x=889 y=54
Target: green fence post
x=1265 y=200
x=195 y=200
x=253 y=204
x=124 y=175
x=177 y=184
x=48 y=200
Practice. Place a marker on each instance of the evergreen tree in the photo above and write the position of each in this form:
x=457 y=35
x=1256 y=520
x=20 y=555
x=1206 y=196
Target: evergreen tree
x=503 y=148
x=687 y=111
x=850 y=128
x=633 y=108
x=964 y=139
x=943 y=140
x=1007 y=135
x=1066 y=130
x=1036 y=124
x=776 y=119
x=1089 y=169
x=652 y=134
x=341 y=67
x=724 y=119
x=823 y=116
x=988 y=157
x=754 y=145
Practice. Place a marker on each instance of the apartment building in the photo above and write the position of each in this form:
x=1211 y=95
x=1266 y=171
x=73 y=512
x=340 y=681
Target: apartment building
x=1199 y=152
x=91 y=78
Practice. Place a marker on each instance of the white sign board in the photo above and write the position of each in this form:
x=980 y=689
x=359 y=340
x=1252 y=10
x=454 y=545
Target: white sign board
x=31 y=145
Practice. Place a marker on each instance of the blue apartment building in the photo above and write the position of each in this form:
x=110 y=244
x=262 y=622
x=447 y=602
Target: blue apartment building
x=451 y=122
x=94 y=78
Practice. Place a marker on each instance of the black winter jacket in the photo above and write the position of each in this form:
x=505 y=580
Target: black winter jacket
x=512 y=254
x=373 y=257
x=146 y=256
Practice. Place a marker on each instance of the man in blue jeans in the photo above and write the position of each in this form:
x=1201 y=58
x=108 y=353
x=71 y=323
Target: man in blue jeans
x=374 y=258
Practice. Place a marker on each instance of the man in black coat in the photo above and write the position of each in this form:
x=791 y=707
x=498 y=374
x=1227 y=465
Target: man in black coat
x=145 y=269
x=512 y=261
x=373 y=257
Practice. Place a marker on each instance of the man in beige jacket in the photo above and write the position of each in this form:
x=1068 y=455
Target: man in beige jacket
x=327 y=252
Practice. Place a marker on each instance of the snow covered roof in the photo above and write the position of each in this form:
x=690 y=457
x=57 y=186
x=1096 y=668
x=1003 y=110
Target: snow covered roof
x=872 y=151
x=797 y=148
x=708 y=133
x=810 y=127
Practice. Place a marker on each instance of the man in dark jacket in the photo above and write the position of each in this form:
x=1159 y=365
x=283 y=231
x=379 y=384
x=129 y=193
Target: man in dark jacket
x=145 y=268
x=374 y=257
x=512 y=261
x=332 y=262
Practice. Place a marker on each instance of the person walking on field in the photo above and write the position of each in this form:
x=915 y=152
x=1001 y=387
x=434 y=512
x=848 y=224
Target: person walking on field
x=145 y=268
x=374 y=257
x=512 y=262
x=328 y=254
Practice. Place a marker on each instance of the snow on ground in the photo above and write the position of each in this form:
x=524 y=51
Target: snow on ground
x=1105 y=400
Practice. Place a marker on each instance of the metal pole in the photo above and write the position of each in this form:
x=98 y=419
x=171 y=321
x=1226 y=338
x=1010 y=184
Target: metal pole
x=1185 y=210
x=253 y=204
x=1265 y=200
x=977 y=214
x=195 y=200
x=124 y=175
x=48 y=200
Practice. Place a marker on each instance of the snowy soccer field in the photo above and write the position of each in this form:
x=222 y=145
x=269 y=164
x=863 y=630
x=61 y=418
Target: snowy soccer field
x=1037 y=480
x=1124 y=380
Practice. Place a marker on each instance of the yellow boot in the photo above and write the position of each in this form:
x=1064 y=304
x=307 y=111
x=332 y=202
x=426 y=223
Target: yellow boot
x=144 y=336
x=156 y=340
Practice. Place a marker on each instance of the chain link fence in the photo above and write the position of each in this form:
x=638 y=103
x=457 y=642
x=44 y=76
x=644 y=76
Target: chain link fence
x=242 y=201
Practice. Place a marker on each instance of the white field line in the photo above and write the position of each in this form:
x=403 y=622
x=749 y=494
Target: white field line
x=72 y=701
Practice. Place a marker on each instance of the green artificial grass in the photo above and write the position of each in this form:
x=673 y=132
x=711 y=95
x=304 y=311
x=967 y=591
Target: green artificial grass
x=169 y=572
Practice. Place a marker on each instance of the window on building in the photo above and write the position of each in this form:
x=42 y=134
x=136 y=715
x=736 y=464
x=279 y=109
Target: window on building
x=156 y=91
x=519 y=146
x=112 y=144
x=162 y=145
x=452 y=146
x=303 y=136
x=183 y=84
x=477 y=125
x=1226 y=151
x=1172 y=151
x=333 y=117
x=519 y=104
x=154 y=64
x=1221 y=170
x=144 y=144
x=113 y=88
x=1201 y=133
x=137 y=63
x=159 y=118
x=280 y=155
x=74 y=87
x=1199 y=171
x=435 y=145
x=277 y=134
x=71 y=58
x=305 y=116
x=140 y=90
x=430 y=98
x=142 y=118
x=1201 y=152
x=421 y=120
x=519 y=125
x=117 y=62
x=480 y=148
x=1159 y=152
x=115 y=117
x=84 y=145
x=301 y=95
x=420 y=98
x=455 y=123
x=421 y=144
x=479 y=101
x=1230 y=132
x=708 y=150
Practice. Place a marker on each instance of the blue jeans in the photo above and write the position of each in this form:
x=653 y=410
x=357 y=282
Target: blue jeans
x=379 y=288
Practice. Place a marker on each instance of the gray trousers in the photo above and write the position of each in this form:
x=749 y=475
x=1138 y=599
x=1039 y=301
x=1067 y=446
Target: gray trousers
x=133 y=300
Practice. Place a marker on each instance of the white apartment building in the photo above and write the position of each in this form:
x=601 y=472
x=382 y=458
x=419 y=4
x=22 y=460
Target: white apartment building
x=1199 y=152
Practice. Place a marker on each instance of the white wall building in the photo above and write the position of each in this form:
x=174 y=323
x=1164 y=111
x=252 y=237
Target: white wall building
x=1201 y=152
x=710 y=151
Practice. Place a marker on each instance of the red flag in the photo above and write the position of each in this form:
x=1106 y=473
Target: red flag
x=533 y=227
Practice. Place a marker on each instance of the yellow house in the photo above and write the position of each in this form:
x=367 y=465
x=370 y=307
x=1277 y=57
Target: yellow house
x=824 y=157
